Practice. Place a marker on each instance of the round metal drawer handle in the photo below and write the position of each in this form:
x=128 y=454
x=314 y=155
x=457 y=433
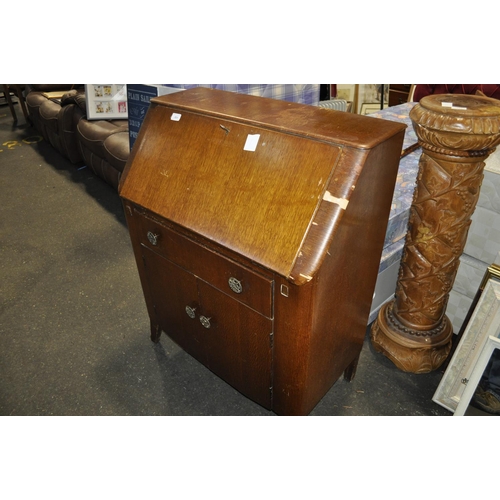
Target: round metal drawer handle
x=191 y=312
x=153 y=238
x=205 y=321
x=235 y=285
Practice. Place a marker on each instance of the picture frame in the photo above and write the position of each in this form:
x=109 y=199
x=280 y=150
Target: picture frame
x=493 y=272
x=349 y=92
x=106 y=101
x=346 y=91
x=468 y=362
x=491 y=344
x=370 y=107
x=370 y=97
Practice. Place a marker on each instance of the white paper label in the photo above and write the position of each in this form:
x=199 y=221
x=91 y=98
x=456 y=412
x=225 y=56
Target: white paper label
x=452 y=106
x=175 y=117
x=251 y=142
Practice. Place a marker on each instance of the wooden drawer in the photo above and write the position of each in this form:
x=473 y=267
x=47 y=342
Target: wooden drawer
x=402 y=87
x=397 y=97
x=244 y=285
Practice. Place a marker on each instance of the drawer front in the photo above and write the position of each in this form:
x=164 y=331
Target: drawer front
x=241 y=283
x=403 y=87
x=396 y=97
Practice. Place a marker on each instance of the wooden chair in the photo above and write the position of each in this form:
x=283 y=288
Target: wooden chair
x=17 y=90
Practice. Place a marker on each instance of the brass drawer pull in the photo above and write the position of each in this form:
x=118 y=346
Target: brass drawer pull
x=205 y=321
x=153 y=238
x=235 y=285
x=191 y=312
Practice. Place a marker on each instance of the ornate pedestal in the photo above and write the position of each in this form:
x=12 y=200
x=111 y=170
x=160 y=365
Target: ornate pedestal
x=457 y=133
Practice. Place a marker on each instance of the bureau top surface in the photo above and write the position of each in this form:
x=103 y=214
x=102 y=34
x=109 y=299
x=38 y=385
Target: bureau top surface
x=310 y=121
x=246 y=172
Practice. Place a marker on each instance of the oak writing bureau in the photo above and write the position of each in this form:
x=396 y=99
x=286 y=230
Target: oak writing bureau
x=257 y=227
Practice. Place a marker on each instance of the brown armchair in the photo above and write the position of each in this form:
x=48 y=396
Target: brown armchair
x=56 y=118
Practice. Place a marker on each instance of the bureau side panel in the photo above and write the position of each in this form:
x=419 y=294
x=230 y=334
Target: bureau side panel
x=321 y=326
x=347 y=278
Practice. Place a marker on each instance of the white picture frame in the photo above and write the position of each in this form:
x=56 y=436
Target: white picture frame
x=464 y=370
x=367 y=108
x=106 y=101
x=492 y=343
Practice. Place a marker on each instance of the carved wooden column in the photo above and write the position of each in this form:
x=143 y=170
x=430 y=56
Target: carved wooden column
x=457 y=133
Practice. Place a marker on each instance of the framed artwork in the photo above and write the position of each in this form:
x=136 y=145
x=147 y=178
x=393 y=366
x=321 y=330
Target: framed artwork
x=365 y=97
x=345 y=91
x=491 y=344
x=349 y=92
x=474 y=348
x=370 y=97
x=493 y=272
x=370 y=107
x=106 y=101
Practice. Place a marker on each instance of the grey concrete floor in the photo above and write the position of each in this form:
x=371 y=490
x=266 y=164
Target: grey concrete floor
x=74 y=331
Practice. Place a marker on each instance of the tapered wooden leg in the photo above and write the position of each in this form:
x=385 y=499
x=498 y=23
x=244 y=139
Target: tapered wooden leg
x=155 y=333
x=6 y=91
x=350 y=371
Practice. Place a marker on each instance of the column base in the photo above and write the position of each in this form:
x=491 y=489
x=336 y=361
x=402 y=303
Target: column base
x=415 y=351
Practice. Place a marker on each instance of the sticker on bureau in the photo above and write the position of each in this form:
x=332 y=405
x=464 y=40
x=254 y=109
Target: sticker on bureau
x=175 y=117
x=251 y=142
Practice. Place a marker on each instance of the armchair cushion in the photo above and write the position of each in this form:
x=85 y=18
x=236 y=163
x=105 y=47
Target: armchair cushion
x=105 y=147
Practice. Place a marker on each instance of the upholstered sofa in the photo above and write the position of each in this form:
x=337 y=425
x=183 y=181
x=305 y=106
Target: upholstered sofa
x=105 y=147
x=101 y=145
x=56 y=120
